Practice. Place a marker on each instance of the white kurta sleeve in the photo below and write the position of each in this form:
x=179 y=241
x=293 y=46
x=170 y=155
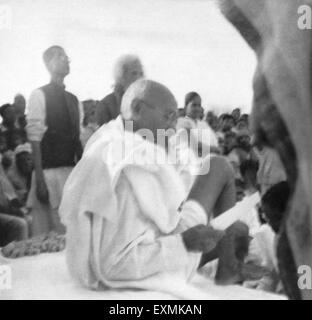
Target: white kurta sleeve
x=81 y=115
x=192 y=214
x=36 y=116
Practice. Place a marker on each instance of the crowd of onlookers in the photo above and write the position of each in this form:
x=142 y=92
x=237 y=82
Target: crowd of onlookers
x=16 y=162
x=256 y=167
x=15 y=166
x=41 y=145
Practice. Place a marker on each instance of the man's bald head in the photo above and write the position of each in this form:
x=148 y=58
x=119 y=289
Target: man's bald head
x=151 y=92
x=150 y=105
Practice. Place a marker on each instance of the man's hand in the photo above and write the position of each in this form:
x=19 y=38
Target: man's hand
x=201 y=238
x=232 y=250
x=41 y=186
x=42 y=191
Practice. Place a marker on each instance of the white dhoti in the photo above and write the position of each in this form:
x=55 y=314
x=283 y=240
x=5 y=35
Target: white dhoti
x=122 y=219
x=44 y=217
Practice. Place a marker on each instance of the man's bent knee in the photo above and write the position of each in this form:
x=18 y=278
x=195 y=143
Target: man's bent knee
x=216 y=163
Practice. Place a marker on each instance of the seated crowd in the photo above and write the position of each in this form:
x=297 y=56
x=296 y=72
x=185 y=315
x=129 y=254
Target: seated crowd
x=239 y=167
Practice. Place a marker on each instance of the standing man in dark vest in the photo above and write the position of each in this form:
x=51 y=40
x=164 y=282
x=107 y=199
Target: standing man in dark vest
x=127 y=70
x=54 y=117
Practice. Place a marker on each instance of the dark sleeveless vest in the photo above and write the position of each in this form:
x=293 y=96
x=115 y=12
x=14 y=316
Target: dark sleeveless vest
x=60 y=146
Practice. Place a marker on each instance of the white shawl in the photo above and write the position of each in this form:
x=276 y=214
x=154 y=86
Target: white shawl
x=91 y=213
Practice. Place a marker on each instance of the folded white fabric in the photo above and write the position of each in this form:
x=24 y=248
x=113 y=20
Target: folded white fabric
x=120 y=208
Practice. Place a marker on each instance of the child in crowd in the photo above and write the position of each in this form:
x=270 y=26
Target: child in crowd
x=202 y=133
x=16 y=138
x=248 y=171
x=10 y=141
x=273 y=207
x=14 y=221
x=242 y=124
x=212 y=121
x=274 y=204
x=271 y=170
x=7 y=112
x=227 y=123
x=20 y=107
x=20 y=172
x=5 y=154
x=229 y=142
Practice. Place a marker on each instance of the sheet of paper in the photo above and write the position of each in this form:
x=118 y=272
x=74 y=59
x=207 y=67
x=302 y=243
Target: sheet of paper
x=240 y=212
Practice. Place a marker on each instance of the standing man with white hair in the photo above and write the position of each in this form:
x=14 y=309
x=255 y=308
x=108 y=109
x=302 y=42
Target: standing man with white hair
x=128 y=69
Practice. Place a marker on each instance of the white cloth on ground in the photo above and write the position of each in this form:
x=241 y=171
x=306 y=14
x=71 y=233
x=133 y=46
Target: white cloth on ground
x=46 y=277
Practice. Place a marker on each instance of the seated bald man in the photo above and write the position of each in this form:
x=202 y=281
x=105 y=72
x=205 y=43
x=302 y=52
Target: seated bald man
x=121 y=202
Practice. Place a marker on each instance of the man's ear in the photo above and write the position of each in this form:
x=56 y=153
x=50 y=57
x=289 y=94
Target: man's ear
x=137 y=107
x=49 y=66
